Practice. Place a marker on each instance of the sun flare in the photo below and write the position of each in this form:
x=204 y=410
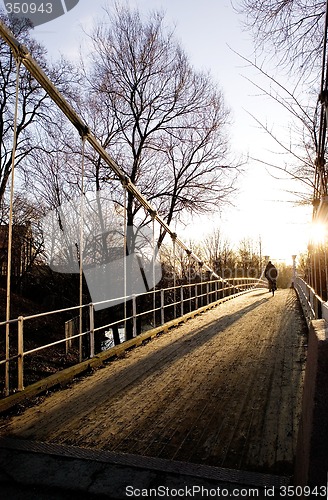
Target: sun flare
x=318 y=233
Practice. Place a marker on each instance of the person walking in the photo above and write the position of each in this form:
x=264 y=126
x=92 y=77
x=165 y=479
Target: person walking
x=271 y=274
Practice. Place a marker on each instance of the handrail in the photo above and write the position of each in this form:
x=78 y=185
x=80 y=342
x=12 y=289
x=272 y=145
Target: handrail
x=311 y=303
x=192 y=297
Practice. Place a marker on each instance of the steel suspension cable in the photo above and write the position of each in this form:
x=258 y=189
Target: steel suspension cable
x=10 y=229
x=125 y=253
x=81 y=245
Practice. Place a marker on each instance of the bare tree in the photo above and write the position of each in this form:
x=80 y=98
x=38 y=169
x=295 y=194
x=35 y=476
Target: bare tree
x=297 y=146
x=34 y=107
x=289 y=35
x=178 y=262
x=52 y=170
x=292 y=29
x=219 y=253
x=192 y=174
x=248 y=260
x=171 y=120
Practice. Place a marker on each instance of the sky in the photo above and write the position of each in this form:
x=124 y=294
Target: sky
x=211 y=33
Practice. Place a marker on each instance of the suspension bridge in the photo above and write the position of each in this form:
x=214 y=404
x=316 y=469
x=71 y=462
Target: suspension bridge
x=204 y=384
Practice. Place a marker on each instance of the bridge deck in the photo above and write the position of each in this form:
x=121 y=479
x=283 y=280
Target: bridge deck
x=224 y=389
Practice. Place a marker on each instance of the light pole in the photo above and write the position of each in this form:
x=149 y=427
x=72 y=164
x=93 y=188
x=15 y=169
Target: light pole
x=294 y=270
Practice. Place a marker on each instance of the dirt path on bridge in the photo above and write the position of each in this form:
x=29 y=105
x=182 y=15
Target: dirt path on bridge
x=224 y=389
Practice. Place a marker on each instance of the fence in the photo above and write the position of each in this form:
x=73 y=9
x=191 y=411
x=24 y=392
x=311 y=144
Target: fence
x=149 y=309
x=313 y=306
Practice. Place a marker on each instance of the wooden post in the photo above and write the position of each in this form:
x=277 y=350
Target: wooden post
x=92 y=330
x=162 y=307
x=134 y=314
x=20 y=362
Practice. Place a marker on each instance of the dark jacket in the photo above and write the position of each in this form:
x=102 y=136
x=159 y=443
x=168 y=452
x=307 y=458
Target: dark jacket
x=270 y=272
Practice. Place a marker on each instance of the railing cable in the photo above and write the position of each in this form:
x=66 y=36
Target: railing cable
x=10 y=228
x=81 y=245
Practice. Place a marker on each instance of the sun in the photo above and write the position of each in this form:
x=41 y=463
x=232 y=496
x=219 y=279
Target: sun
x=318 y=233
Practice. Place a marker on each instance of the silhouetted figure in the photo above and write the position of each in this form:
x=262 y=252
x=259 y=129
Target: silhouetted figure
x=271 y=274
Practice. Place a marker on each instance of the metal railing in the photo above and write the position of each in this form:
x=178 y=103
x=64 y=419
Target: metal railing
x=155 y=308
x=313 y=306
